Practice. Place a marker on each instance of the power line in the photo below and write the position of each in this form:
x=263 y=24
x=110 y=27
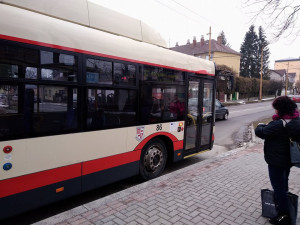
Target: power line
x=190 y=18
x=191 y=11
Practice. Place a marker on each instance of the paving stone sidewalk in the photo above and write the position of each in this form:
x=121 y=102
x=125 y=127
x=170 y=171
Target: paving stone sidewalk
x=224 y=190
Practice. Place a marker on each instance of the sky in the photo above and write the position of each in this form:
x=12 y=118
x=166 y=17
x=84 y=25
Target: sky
x=180 y=20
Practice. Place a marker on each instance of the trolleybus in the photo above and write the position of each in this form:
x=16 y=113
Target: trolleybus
x=89 y=96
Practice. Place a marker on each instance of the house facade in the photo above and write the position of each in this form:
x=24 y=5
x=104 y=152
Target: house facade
x=281 y=75
x=277 y=75
x=220 y=54
x=292 y=66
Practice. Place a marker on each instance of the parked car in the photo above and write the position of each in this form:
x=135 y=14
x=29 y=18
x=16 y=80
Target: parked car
x=222 y=112
x=295 y=98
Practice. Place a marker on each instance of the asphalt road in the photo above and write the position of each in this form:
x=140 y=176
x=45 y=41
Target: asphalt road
x=228 y=135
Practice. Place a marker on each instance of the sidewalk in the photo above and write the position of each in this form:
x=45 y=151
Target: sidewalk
x=223 y=190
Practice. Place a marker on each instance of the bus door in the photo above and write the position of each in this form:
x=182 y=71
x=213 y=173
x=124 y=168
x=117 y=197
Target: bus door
x=199 y=120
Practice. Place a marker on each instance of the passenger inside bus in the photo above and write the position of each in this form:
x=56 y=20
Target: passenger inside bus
x=177 y=108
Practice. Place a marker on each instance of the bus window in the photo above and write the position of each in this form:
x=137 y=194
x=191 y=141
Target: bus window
x=59 y=67
x=177 y=107
x=208 y=91
x=111 y=108
x=8 y=99
x=10 y=120
x=18 y=62
x=124 y=74
x=163 y=75
x=31 y=73
x=50 y=108
x=164 y=104
x=98 y=71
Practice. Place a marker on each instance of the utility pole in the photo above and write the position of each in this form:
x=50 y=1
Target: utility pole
x=261 y=72
x=287 y=79
x=209 y=43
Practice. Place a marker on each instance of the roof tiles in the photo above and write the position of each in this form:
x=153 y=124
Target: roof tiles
x=196 y=48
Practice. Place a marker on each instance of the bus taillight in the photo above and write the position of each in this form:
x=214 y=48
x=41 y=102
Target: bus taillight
x=7 y=149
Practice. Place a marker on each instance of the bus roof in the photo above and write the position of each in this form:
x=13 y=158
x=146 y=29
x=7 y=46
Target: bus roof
x=90 y=13
x=32 y=27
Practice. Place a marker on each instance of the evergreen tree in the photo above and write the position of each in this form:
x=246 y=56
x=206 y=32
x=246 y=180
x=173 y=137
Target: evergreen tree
x=224 y=40
x=263 y=43
x=249 y=55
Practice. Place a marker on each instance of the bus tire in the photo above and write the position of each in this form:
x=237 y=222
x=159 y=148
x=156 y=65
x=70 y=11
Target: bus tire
x=153 y=159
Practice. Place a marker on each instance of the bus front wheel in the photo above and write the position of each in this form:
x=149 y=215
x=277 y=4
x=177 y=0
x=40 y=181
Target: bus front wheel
x=153 y=159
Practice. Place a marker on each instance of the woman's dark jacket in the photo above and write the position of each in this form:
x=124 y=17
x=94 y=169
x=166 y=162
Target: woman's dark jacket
x=276 y=147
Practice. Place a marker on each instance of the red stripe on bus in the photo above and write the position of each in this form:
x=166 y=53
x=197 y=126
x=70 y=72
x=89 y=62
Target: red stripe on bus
x=40 y=179
x=178 y=145
x=27 y=41
x=109 y=162
x=145 y=141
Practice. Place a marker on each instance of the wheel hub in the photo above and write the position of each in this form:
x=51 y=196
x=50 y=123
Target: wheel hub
x=153 y=158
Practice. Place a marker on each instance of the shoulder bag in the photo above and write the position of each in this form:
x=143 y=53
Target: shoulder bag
x=294 y=150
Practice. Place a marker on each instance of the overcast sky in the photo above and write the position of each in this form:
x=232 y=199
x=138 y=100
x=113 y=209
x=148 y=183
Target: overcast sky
x=180 y=20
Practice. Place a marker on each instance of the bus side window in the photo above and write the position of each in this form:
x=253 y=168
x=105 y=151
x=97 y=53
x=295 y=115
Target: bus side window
x=50 y=109
x=11 y=120
x=71 y=118
x=98 y=119
x=113 y=109
x=28 y=111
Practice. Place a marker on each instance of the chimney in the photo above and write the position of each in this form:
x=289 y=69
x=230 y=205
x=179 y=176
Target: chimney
x=176 y=44
x=188 y=42
x=219 y=40
x=194 y=41
x=202 y=41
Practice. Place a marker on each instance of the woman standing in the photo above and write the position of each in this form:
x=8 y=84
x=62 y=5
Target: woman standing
x=285 y=124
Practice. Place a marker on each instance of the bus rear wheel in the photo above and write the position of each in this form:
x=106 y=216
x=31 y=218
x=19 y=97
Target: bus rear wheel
x=153 y=159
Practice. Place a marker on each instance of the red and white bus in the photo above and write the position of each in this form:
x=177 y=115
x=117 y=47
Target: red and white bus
x=88 y=97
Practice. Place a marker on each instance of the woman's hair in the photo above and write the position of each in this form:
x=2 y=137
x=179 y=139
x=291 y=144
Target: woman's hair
x=284 y=105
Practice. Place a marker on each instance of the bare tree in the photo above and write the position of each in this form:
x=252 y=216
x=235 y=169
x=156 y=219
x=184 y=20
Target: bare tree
x=280 y=16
